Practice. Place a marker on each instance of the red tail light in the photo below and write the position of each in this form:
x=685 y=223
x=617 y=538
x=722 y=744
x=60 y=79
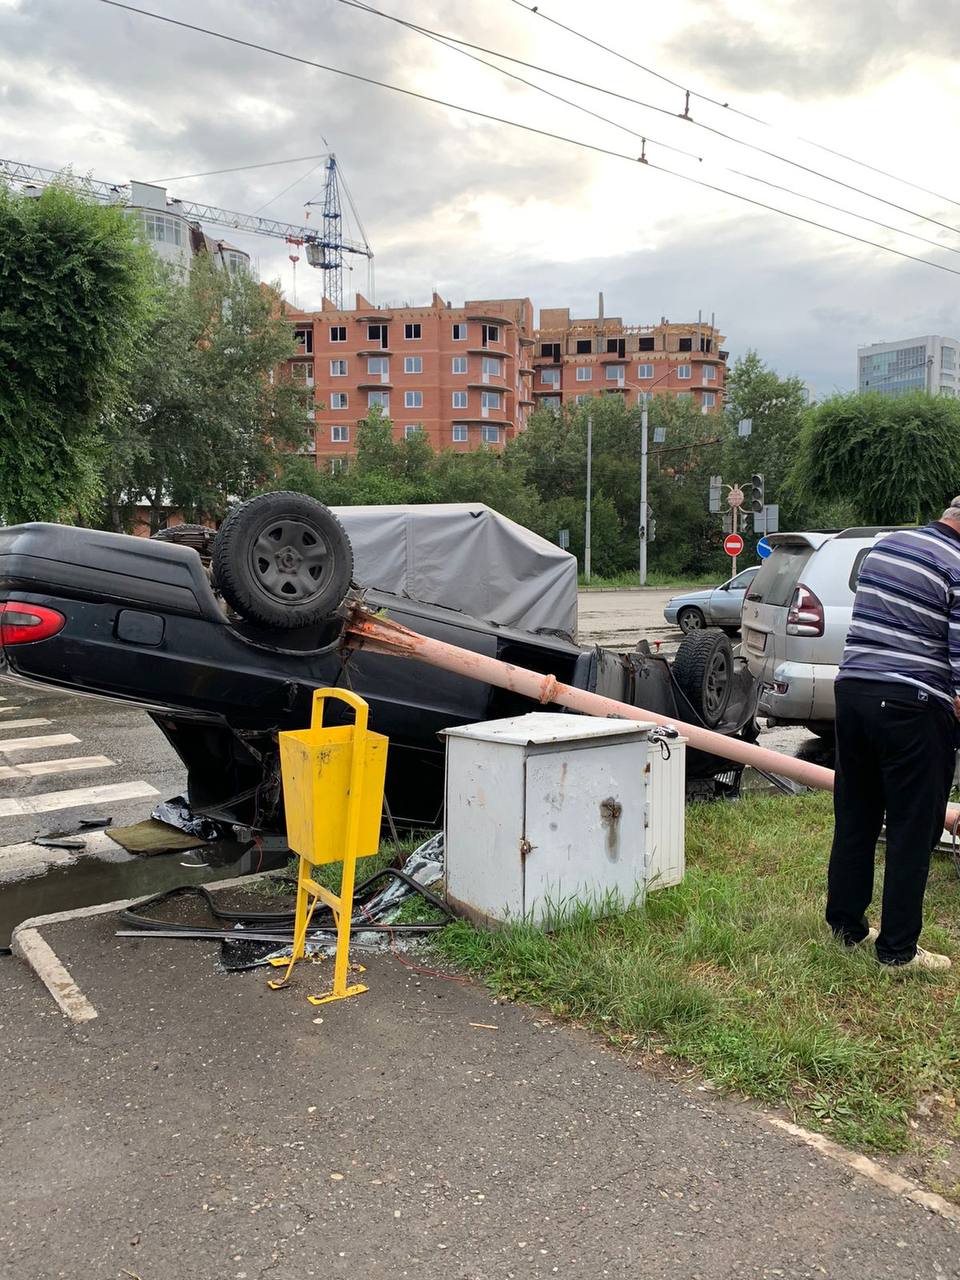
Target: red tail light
x=805 y=617
x=22 y=623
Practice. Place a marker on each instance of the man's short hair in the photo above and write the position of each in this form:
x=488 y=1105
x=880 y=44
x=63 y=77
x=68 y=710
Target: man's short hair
x=953 y=511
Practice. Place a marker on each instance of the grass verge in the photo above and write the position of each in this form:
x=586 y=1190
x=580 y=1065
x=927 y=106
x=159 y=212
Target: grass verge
x=733 y=971
x=663 y=581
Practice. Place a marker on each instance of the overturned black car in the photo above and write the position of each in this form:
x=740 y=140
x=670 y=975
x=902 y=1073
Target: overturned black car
x=222 y=637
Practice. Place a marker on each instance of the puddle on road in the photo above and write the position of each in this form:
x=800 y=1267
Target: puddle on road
x=92 y=880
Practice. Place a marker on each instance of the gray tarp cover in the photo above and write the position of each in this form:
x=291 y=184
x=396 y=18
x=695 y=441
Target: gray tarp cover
x=465 y=556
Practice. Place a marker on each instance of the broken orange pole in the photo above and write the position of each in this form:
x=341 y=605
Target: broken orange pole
x=381 y=635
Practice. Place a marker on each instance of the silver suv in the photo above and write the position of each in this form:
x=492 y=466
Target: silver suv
x=795 y=620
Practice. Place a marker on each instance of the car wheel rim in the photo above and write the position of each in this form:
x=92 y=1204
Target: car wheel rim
x=691 y=622
x=716 y=684
x=290 y=561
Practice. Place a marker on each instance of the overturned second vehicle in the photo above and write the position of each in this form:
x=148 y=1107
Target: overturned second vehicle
x=222 y=637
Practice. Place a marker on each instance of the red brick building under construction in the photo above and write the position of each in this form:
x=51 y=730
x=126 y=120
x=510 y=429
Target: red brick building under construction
x=471 y=375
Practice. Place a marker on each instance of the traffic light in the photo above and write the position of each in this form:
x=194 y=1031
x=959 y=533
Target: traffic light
x=652 y=529
x=756 y=483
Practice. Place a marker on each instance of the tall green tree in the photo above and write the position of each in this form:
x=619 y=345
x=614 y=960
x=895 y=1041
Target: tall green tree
x=893 y=460
x=74 y=297
x=776 y=407
x=203 y=416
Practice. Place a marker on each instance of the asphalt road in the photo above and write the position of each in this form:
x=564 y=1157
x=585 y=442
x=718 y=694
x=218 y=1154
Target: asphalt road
x=203 y=1127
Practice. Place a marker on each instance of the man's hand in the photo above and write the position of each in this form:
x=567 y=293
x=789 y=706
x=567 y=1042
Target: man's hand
x=956 y=706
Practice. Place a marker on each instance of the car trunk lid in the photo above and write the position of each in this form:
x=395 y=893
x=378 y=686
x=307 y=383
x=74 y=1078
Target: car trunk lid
x=767 y=603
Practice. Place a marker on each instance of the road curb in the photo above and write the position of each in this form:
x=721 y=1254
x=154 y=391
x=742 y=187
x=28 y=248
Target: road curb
x=896 y=1183
x=27 y=945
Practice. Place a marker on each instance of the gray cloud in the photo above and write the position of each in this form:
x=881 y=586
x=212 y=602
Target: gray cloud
x=833 y=48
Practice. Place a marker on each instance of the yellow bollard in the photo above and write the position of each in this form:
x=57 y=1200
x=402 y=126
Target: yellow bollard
x=333 y=795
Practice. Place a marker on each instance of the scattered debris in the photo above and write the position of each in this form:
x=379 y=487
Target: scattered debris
x=153 y=836
x=177 y=813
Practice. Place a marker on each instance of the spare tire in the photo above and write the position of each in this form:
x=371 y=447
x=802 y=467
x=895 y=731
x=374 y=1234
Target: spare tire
x=703 y=668
x=283 y=560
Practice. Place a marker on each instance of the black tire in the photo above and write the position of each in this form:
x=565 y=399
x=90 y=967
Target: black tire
x=703 y=668
x=283 y=560
x=691 y=619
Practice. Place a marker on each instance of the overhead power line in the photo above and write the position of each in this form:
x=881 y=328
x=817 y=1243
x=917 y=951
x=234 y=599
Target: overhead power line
x=514 y=124
x=751 y=177
x=664 y=111
x=537 y=11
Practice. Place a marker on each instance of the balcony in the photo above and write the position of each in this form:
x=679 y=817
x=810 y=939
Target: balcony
x=371 y=383
x=496 y=350
x=375 y=351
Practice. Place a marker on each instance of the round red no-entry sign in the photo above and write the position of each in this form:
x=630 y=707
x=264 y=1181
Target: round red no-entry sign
x=733 y=544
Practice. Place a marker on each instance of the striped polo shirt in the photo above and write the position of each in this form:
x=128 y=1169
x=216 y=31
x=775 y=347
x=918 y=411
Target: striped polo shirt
x=906 y=615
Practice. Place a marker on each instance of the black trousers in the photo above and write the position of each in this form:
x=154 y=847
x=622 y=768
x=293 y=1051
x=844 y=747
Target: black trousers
x=895 y=755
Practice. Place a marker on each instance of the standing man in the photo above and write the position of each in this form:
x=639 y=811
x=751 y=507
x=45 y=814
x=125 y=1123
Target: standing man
x=896 y=725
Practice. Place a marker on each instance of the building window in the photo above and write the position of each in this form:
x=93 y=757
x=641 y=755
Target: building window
x=340 y=435
x=162 y=229
x=381 y=398
x=550 y=402
x=413 y=399
x=550 y=349
x=709 y=399
x=460 y=434
x=234 y=261
x=492 y=367
x=709 y=373
x=615 y=374
x=413 y=364
x=338 y=333
x=490 y=400
x=490 y=333
x=337 y=465
x=377 y=333
x=338 y=368
x=459 y=399
x=584 y=346
x=550 y=377
x=491 y=435
x=948 y=357
x=584 y=374
x=684 y=395
x=685 y=344
x=459 y=333
x=458 y=364
x=683 y=372
x=411 y=332
x=338 y=400
x=412 y=429
x=644 y=370
x=378 y=367
x=302 y=371
x=304 y=339
x=583 y=397
x=646 y=343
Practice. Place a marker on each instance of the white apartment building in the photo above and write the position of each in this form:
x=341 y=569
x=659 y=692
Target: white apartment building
x=931 y=364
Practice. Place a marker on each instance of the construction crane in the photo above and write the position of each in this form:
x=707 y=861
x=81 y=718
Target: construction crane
x=325 y=248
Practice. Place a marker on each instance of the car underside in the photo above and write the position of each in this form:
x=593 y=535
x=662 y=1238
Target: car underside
x=145 y=621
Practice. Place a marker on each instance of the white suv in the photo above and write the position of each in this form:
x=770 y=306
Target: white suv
x=795 y=620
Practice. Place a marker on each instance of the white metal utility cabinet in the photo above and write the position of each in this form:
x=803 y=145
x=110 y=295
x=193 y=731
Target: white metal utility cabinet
x=543 y=810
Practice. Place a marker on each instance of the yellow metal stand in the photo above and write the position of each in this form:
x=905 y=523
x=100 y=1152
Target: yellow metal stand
x=333 y=795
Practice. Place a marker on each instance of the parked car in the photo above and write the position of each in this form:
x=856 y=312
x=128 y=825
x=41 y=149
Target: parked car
x=223 y=639
x=711 y=606
x=795 y=621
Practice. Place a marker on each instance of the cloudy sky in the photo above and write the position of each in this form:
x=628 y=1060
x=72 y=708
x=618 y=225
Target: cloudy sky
x=478 y=209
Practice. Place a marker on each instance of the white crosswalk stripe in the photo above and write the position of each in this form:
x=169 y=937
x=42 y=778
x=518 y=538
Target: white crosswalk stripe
x=22 y=724
x=72 y=764
x=50 y=801
x=10 y=745
x=4 y=710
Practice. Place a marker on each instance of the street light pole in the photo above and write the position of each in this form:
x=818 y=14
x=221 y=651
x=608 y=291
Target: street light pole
x=586 y=522
x=643 y=488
